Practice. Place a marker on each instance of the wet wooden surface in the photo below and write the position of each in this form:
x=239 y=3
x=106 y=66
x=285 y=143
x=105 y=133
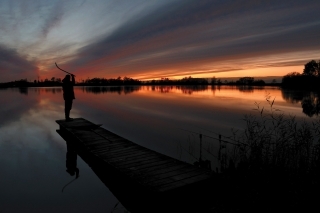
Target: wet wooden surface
x=153 y=170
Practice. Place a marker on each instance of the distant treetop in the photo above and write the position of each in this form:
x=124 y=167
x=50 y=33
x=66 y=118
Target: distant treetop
x=309 y=79
x=312 y=68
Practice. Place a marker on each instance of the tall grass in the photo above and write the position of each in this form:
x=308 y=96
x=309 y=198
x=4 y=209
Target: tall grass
x=277 y=164
x=272 y=165
x=275 y=141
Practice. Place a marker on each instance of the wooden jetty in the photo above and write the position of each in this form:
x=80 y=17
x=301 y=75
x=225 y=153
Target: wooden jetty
x=133 y=169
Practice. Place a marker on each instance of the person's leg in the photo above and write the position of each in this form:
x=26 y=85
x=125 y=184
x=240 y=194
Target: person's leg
x=70 y=105
x=67 y=108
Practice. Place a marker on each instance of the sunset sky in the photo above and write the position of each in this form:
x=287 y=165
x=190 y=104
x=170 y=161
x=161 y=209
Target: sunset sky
x=150 y=39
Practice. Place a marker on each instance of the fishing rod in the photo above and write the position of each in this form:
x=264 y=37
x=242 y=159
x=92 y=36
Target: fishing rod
x=63 y=70
x=68 y=184
x=77 y=175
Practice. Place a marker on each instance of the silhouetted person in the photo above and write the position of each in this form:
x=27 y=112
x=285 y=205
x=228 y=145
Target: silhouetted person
x=71 y=161
x=68 y=95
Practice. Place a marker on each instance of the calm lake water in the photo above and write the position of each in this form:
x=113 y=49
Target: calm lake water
x=167 y=119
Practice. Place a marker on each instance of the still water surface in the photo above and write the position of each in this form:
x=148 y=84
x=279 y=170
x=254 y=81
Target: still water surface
x=166 y=119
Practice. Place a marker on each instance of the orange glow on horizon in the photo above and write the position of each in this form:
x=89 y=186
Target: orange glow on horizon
x=200 y=68
x=156 y=75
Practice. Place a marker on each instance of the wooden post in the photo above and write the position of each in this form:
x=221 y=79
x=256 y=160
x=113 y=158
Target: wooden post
x=200 y=147
x=219 y=155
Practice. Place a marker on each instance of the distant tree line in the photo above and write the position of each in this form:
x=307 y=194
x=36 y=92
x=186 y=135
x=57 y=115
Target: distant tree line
x=247 y=81
x=308 y=79
x=58 y=82
x=110 y=82
x=36 y=83
x=184 y=81
x=250 y=81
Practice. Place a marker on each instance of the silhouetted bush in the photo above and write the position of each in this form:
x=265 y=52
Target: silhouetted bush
x=300 y=81
x=309 y=79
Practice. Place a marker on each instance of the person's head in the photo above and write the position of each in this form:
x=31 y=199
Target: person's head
x=66 y=79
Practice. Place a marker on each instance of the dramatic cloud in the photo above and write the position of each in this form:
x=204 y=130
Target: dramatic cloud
x=189 y=34
x=13 y=66
x=149 y=39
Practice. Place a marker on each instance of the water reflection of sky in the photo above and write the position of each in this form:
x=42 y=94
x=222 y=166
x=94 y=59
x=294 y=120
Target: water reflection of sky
x=32 y=154
x=32 y=160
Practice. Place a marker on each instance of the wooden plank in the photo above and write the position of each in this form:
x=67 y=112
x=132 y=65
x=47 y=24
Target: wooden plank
x=110 y=143
x=131 y=148
x=83 y=127
x=104 y=141
x=129 y=157
x=85 y=134
x=102 y=145
x=160 y=167
x=74 y=123
x=168 y=169
x=106 y=132
x=139 y=160
x=114 y=147
x=137 y=167
x=142 y=155
x=92 y=139
x=112 y=150
x=114 y=139
x=88 y=141
x=108 y=137
x=123 y=162
x=154 y=177
x=185 y=182
x=106 y=154
x=134 y=155
x=138 y=164
x=121 y=159
x=179 y=177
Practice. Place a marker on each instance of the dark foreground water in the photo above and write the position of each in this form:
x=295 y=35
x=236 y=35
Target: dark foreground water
x=165 y=119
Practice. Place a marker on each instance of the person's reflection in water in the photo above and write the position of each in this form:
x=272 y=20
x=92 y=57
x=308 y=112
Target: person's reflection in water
x=68 y=95
x=71 y=161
